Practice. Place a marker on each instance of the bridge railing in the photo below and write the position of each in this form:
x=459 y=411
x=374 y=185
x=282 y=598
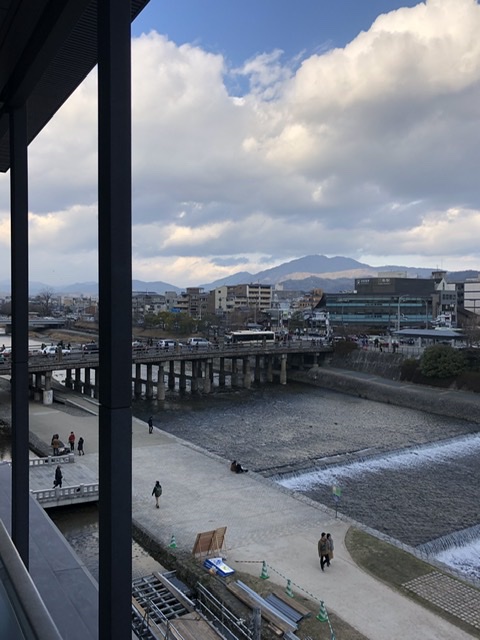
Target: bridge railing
x=63 y=459
x=80 y=492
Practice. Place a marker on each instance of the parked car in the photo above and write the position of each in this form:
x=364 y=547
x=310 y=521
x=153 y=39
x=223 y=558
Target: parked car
x=168 y=344
x=52 y=350
x=199 y=343
x=90 y=347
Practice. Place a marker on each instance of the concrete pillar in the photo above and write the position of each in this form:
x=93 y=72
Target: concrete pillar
x=149 y=387
x=48 y=391
x=221 y=374
x=283 y=369
x=68 y=379
x=171 y=375
x=137 y=385
x=160 y=383
x=183 y=378
x=234 y=372
x=194 y=387
x=269 y=368
x=207 y=383
x=96 y=389
x=257 y=372
x=247 y=378
x=87 y=387
x=78 y=384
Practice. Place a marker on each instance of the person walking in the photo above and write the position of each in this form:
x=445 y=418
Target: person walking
x=150 y=425
x=157 y=492
x=58 y=477
x=323 y=551
x=71 y=440
x=330 y=548
x=80 y=446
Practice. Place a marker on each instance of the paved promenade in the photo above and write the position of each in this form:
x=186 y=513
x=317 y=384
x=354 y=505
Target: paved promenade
x=264 y=523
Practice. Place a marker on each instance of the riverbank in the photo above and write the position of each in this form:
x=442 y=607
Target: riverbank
x=450 y=403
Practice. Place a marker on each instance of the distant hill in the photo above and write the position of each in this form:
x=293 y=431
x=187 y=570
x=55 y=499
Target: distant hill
x=303 y=274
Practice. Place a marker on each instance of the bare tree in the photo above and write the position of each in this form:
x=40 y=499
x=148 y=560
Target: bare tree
x=45 y=298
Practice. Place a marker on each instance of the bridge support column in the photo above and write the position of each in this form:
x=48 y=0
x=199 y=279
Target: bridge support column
x=48 y=391
x=78 y=384
x=257 y=372
x=149 y=387
x=247 y=377
x=283 y=369
x=195 y=376
x=269 y=368
x=221 y=374
x=234 y=378
x=171 y=375
x=207 y=383
x=95 y=388
x=137 y=385
x=183 y=378
x=160 y=383
x=87 y=386
x=68 y=379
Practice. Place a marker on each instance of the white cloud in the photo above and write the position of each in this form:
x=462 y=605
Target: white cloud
x=370 y=150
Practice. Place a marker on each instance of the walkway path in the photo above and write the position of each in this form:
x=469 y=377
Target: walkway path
x=264 y=523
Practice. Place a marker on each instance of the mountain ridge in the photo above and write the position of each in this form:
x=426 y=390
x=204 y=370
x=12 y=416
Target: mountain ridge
x=313 y=271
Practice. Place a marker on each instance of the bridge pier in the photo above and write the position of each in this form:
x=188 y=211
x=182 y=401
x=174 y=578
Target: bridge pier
x=283 y=369
x=149 y=385
x=48 y=392
x=171 y=375
x=160 y=383
x=234 y=377
x=182 y=383
x=221 y=374
x=247 y=380
x=137 y=385
x=269 y=368
x=194 y=386
x=207 y=383
x=257 y=371
x=68 y=379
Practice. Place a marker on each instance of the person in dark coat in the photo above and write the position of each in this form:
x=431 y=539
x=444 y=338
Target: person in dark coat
x=157 y=492
x=58 y=477
x=150 y=425
x=80 y=446
x=323 y=551
x=330 y=548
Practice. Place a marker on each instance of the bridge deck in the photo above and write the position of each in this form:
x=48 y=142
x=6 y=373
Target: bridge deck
x=79 y=484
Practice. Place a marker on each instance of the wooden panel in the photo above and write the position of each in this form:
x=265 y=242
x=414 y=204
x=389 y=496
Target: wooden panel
x=192 y=627
x=294 y=604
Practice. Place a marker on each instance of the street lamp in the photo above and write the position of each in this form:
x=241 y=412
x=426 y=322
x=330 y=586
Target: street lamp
x=400 y=298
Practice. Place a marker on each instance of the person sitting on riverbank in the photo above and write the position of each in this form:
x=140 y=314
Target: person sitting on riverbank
x=236 y=467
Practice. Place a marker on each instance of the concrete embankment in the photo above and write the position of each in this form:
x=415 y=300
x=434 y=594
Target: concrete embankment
x=445 y=402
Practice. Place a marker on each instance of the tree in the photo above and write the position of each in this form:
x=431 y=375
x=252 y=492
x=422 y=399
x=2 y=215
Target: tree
x=45 y=299
x=442 y=361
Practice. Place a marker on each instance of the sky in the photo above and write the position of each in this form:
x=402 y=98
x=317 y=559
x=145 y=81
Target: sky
x=264 y=131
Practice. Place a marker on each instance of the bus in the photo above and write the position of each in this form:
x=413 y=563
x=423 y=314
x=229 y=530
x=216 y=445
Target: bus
x=250 y=337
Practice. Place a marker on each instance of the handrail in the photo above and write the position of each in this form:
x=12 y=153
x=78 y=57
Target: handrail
x=32 y=614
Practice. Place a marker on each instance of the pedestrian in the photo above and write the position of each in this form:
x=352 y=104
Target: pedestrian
x=58 y=477
x=330 y=548
x=71 y=440
x=55 y=444
x=150 y=425
x=323 y=551
x=80 y=446
x=157 y=492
